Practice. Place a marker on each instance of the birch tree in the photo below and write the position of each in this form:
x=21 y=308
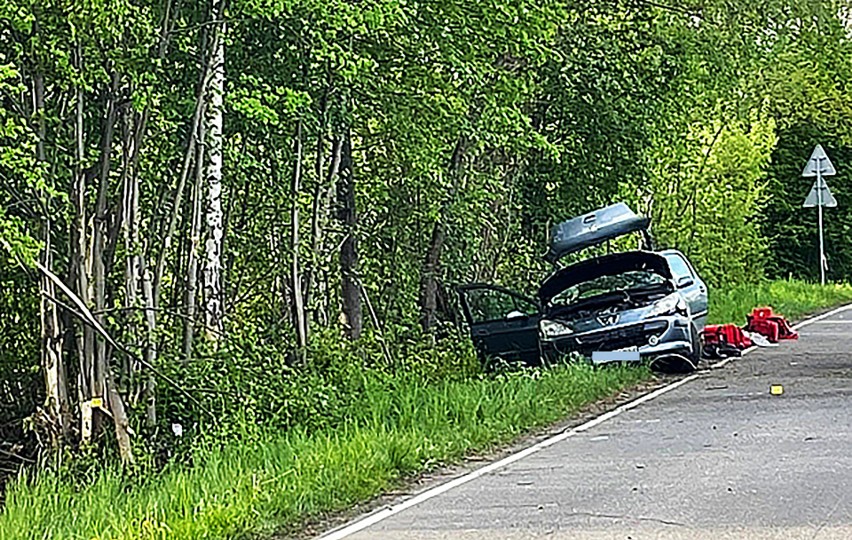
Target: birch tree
x=214 y=126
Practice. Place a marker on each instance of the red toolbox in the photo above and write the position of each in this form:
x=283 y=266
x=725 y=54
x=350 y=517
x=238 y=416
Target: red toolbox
x=730 y=334
x=775 y=327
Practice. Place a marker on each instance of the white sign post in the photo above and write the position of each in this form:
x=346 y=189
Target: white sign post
x=820 y=166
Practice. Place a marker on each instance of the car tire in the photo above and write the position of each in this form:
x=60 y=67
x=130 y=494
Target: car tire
x=697 y=347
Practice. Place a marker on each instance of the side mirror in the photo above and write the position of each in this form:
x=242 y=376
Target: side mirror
x=515 y=316
x=685 y=281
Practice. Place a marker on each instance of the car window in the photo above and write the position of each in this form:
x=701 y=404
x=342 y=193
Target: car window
x=494 y=305
x=679 y=266
x=625 y=281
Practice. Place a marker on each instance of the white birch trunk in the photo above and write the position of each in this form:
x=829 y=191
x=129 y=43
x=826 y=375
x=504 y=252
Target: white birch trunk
x=214 y=120
x=299 y=315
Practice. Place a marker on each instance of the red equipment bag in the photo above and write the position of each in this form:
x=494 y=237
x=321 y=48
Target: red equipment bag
x=729 y=334
x=764 y=327
x=773 y=326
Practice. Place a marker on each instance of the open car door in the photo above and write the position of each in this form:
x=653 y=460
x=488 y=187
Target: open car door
x=503 y=323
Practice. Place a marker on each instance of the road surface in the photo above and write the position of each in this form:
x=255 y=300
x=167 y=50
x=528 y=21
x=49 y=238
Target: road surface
x=718 y=457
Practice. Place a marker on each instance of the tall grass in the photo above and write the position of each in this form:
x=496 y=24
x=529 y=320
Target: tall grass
x=794 y=299
x=235 y=490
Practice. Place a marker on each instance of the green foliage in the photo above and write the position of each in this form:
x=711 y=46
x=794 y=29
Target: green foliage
x=18 y=171
x=791 y=230
x=494 y=121
x=707 y=193
x=20 y=391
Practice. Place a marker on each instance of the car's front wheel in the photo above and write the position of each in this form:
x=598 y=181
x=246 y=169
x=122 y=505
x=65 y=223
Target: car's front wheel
x=697 y=347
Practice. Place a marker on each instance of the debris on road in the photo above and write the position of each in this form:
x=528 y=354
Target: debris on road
x=772 y=325
x=776 y=389
x=725 y=340
x=763 y=329
x=759 y=340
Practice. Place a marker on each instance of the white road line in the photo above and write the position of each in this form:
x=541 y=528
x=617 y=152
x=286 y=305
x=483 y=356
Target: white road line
x=438 y=490
x=389 y=511
x=831 y=313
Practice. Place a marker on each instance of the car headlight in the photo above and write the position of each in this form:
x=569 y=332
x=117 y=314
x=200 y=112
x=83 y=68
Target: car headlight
x=669 y=305
x=552 y=329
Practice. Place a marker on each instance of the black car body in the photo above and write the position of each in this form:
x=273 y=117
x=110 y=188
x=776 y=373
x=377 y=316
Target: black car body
x=639 y=305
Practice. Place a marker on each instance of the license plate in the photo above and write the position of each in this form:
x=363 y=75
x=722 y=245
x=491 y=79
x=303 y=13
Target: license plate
x=602 y=357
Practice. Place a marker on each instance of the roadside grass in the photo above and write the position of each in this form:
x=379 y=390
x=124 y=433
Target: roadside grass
x=239 y=490
x=792 y=298
x=252 y=485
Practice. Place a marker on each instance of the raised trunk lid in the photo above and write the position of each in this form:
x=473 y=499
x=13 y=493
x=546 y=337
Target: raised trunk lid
x=592 y=229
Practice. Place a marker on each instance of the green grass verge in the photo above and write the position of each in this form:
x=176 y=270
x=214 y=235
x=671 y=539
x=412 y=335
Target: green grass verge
x=238 y=490
x=401 y=427
x=794 y=299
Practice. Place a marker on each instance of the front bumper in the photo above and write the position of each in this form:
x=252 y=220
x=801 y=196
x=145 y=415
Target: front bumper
x=669 y=334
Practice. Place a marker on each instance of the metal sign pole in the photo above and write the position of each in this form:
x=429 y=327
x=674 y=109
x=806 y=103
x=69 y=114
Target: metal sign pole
x=820 y=166
x=819 y=218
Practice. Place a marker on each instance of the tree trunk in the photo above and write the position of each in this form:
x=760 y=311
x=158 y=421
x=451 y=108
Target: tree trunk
x=300 y=321
x=350 y=290
x=192 y=258
x=105 y=387
x=113 y=399
x=321 y=206
x=98 y=244
x=431 y=265
x=429 y=277
x=56 y=396
x=136 y=271
x=152 y=278
x=122 y=425
x=130 y=232
x=213 y=174
x=87 y=386
x=319 y=209
x=171 y=223
x=56 y=388
x=150 y=350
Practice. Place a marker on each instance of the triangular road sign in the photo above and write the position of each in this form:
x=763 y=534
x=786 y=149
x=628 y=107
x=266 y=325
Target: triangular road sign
x=828 y=199
x=819 y=159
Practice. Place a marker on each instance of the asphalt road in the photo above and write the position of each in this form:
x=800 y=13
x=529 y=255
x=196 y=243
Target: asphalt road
x=718 y=457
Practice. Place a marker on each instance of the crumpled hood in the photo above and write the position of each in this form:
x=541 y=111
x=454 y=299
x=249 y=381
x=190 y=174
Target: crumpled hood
x=608 y=265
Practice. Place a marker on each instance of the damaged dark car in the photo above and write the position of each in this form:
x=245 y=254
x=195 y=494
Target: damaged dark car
x=632 y=306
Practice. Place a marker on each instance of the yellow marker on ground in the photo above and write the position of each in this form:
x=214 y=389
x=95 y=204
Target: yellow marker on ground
x=776 y=389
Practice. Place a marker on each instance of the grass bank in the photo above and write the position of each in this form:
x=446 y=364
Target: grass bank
x=399 y=426
x=404 y=427
x=795 y=299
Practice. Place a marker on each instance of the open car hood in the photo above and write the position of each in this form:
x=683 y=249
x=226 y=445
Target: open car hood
x=608 y=265
x=592 y=229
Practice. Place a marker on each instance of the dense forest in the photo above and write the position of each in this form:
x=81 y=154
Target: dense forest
x=205 y=207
